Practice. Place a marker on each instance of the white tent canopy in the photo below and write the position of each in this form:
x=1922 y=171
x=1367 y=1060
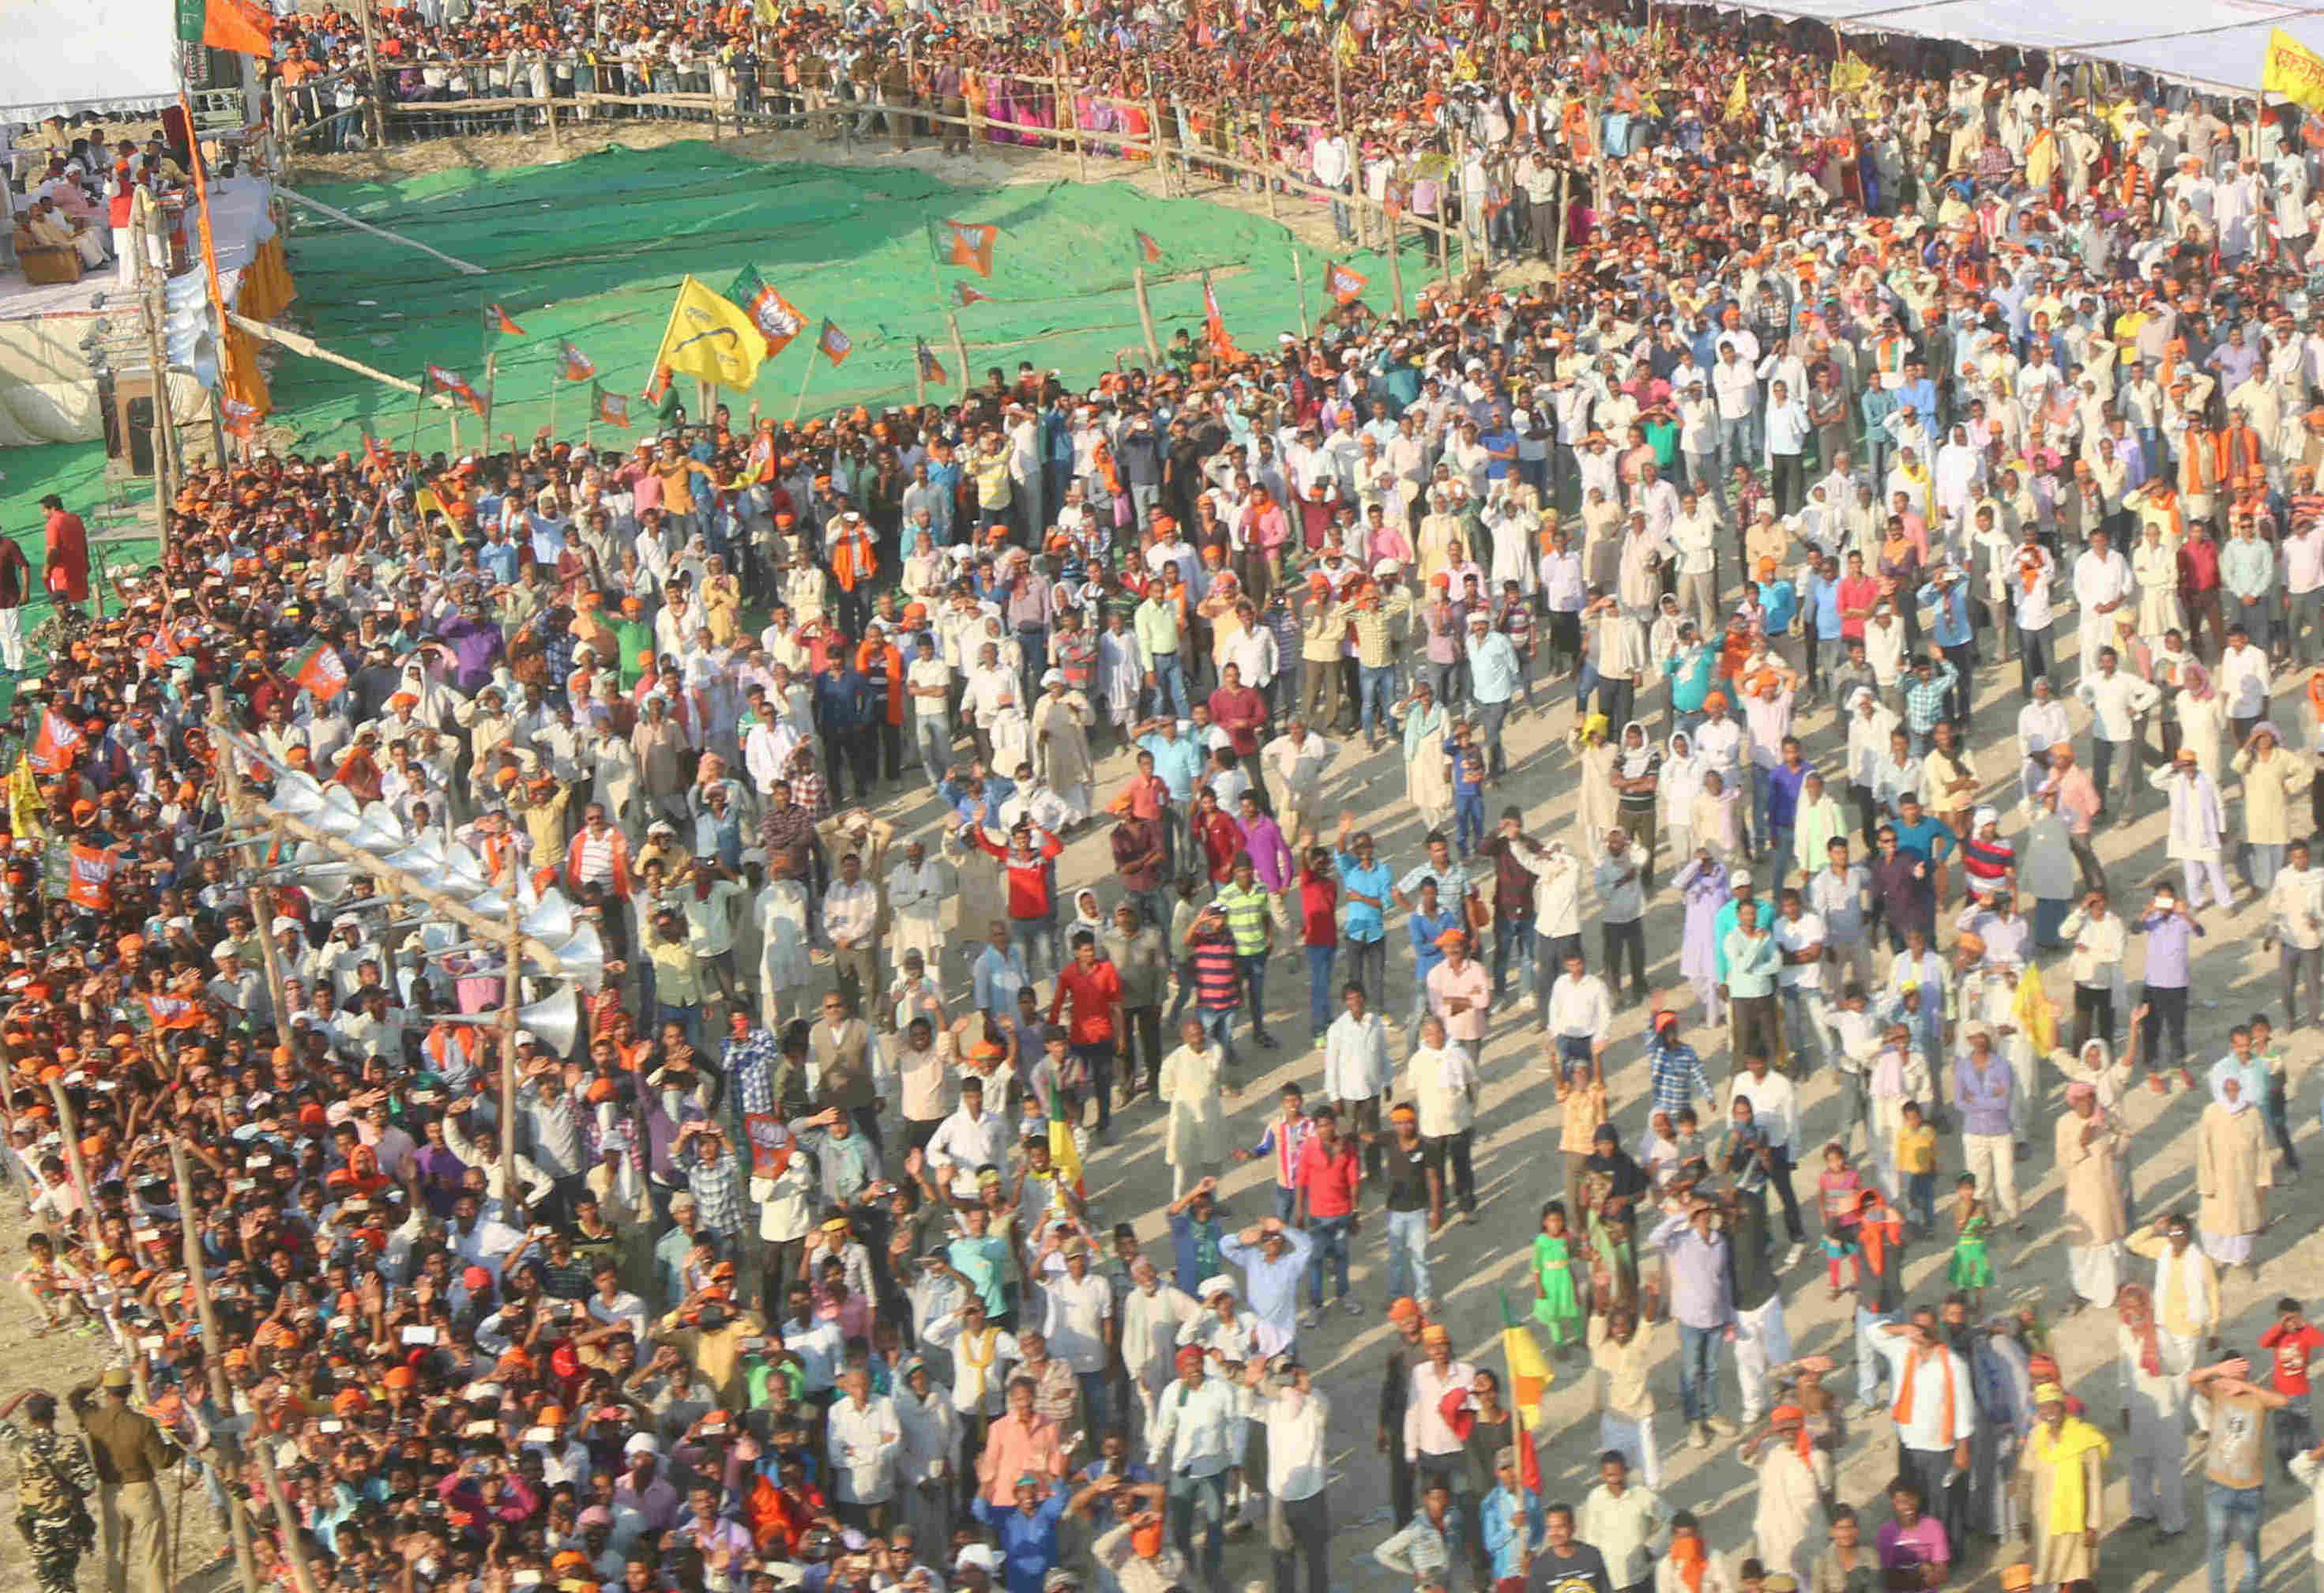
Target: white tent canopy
x=2217 y=44
x=89 y=55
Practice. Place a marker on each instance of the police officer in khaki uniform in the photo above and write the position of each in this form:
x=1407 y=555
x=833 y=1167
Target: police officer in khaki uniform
x=131 y=1454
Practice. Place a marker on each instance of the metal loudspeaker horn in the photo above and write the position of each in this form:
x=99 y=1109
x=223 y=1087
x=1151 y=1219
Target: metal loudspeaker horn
x=381 y=831
x=557 y=1019
x=549 y=922
x=424 y=856
x=581 y=958
x=331 y=808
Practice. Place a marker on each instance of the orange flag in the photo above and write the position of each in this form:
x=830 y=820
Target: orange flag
x=238 y=25
x=1214 y=324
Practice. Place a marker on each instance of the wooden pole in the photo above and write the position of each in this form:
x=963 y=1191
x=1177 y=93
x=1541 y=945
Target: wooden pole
x=1394 y=262
x=372 y=118
x=1154 y=134
x=301 y=1572
x=68 y=1125
x=959 y=344
x=1299 y=275
x=512 y=948
x=806 y=376
x=1069 y=113
x=1146 y=315
x=1557 y=260
x=213 y=1359
x=298 y=344
x=462 y=266
x=1339 y=100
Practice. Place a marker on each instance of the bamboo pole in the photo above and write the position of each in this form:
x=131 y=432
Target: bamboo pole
x=1146 y=315
x=261 y=897
x=1557 y=258
x=301 y=1572
x=959 y=344
x=1068 y=107
x=298 y=344
x=512 y=948
x=1154 y=134
x=213 y=1359
x=462 y=266
x=806 y=375
x=69 y=1125
x=1394 y=262
x=1299 y=275
x=372 y=119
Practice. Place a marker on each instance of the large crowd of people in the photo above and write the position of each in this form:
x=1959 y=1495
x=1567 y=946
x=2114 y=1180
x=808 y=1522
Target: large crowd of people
x=1912 y=478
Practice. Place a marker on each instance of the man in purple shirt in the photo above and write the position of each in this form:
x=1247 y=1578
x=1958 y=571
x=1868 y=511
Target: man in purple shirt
x=2170 y=931
x=1702 y=1304
x=1903 y=896
x=1270 y=856
x=476 y=646
x=1985 y=1092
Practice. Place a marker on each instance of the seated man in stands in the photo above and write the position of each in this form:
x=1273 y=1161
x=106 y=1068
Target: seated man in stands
x=45 y=224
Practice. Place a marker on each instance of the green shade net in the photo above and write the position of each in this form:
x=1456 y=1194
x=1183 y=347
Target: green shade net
x=591 y=250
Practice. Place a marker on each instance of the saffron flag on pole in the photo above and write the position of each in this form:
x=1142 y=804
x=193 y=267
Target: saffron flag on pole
x=572 y=363
x=2293 y=70
x=1148 y=249
x=498 y=319
x=930 y=370
x=1529 y=1380
x=778 y=321
x=319 y=668
x=239 y=26
x=835 y=344
x=56 y=742
x=963 y=295
x=444 y=379
x=964 y=243
x=1344 y=283
x=613 y=408
x=1215 y=324
x=241 y=419
x=711 y=339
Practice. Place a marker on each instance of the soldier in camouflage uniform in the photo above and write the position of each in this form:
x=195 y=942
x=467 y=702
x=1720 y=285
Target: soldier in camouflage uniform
x=54 y=1480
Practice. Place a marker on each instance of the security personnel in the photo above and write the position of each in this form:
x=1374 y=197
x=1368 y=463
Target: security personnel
x=131 y=1454
x=54 y=1480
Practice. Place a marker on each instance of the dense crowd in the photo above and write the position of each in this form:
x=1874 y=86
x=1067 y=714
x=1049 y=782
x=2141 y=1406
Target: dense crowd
x=1875 y=519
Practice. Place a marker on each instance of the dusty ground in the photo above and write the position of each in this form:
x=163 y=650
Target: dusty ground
x=1516 y=1164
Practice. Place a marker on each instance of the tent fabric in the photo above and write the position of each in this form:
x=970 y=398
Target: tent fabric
x=2215 y=44
x=93 y=53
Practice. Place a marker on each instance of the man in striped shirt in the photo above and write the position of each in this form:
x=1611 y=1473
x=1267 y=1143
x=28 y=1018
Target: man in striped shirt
x=1218 y=975
x=1248 y=910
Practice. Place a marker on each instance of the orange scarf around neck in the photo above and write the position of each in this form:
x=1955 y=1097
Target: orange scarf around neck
x=1903 y=1413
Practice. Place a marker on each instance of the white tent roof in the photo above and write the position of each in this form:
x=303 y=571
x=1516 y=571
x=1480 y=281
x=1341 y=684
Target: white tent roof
x=84 y=56
x=2218 y=43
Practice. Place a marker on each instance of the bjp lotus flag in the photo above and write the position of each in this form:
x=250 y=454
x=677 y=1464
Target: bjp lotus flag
x=1148 y=249
x=963 y=295
x=1214 y=324
x=777 y=318
x=1343 y=284
x=573 y=365
x=835 y=344
x=498 y=319
x=321 y=671
x=89 y=879
x=613 y=408
x=930 y=370
x=1529 y=1380
x=2293 y=70
x=241 y=419
x=58 y=742
x=965 y=243
x=443 y=379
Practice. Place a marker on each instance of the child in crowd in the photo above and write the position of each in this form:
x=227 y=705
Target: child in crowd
x=1917 y=1164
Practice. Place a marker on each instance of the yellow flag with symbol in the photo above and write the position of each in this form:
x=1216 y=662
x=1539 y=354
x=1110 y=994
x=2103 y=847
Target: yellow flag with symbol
x=711 y=338
x=2293 y=70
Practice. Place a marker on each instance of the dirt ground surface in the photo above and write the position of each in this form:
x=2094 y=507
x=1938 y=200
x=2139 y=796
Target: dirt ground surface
x=1516 y=1163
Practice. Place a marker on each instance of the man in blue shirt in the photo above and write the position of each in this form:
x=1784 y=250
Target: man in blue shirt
x=1947 y=595
x=1177 y=759
x=1028 y=1531
x=843 y=714
x=1493 y=675
x=1365 y=884
x=1429 y=923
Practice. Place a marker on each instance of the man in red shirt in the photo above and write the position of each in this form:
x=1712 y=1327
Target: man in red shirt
x=1329 y=1177
x=1026 y=860
x=1094 y=989
x=2292 y=1338
x=1239 y=710
x=67 y=575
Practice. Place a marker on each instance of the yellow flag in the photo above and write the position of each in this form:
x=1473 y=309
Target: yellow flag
x=1849 y=73
x=711 y=338
x=2293 y=70
x=25 y=809
x=1738 y=99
